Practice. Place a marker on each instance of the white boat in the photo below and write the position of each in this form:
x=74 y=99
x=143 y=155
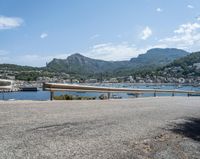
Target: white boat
x=114 y=96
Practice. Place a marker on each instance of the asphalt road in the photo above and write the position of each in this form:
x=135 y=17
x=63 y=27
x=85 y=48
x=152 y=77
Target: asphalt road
x=158 y=127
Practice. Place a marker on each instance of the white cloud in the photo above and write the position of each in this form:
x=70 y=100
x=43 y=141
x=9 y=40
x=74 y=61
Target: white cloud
x=159 y=9
x=113 y=52
x=187 y=36
x=10 y=22
x=39 y=59
x=146 y=33
x=187 y=28
x=190 y=6
x=198 y=18
x=30 y=59
x=43 y=35
x=94 y=36
x=3 y=52
x=118 y=52
x=106 y=51
x=119 y=36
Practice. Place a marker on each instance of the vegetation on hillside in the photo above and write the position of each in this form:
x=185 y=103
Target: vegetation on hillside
x=82 y=68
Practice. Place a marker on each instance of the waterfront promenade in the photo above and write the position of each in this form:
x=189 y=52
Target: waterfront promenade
x=153 y=127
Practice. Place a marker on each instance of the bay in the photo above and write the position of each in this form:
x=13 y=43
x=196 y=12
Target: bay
x=45 y=95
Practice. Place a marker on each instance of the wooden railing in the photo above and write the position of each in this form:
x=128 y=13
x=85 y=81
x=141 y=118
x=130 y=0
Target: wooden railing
x=53 y=87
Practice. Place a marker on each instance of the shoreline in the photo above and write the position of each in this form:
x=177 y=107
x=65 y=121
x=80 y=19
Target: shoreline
x=108 y=100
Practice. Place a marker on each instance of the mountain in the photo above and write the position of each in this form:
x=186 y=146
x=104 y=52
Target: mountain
x=188 y=66
x=186 y=61
x=80 y=64
x=164 y=62
x=158 y=57
x=27 y=73
x=13 y=67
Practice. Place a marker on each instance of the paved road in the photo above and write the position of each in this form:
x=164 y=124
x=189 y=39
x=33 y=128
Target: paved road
x=159 y=127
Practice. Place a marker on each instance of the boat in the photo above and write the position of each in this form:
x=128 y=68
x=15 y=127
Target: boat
x=115 y=96
x=158 y=87
x=179 y=86
x=196 y=85
x=80 y=92
x=29 y=89
x=194 y=95
x=132 y=94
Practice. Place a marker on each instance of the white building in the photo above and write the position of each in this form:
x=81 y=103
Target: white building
x=6 y=84
x=197 y=65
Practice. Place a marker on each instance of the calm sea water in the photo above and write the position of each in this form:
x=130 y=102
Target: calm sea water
x=44 y=95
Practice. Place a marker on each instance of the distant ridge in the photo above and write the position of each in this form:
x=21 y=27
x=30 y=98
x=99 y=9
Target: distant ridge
x=77 y=63
x=81 y=67
x=188 y=66
x=159 y=56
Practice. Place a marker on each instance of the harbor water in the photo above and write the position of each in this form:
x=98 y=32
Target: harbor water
x=45 y=95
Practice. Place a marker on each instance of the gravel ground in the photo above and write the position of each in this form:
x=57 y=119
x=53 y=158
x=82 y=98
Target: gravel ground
x=158 y=127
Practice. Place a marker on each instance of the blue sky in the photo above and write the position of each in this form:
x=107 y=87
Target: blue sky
x=34 y=32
